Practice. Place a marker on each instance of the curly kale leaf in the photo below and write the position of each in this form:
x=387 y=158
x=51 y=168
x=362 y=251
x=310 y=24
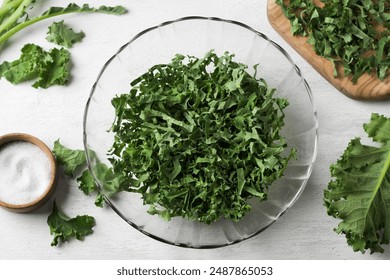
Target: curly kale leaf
x=47 y=68
x=110 y=182
x=64 y=228
x=359 y=195
x=63 y=35
x=75 y=160
x=71 y=160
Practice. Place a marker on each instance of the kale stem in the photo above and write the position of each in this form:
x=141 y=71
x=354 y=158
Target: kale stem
x=17 y=28
x=5 y=8
x=8 y=22
x=5 y=2
x=8 y=7
x=58 y=11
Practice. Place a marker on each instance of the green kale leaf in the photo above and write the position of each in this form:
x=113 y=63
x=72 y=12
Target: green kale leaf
x=359 y=194
x=64 y=228
x=110 y=182
x=63 y=35
x=73 y=160
x=27 y=67
x=55 y=71
x=87 y=183
x=88 y=186
x=48 y=68
x=69 y=159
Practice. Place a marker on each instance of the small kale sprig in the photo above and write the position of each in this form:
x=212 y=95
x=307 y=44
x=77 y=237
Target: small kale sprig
x=64 y=228
x=61 y=34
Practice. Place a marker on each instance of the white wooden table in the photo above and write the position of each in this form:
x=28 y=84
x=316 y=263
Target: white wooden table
x=305 y=232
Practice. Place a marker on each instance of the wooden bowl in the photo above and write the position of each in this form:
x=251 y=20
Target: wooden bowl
x=53 y=171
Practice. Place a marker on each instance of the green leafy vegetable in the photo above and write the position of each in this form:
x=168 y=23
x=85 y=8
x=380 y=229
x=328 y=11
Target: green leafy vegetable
x=352 y=33
x=360 y=191
x=61 y=34
x=27 y=66
x=88 y=186
x=73 y=160
x=70 y=159
x=14 y=15
x=48 y=68
x=64 y=228
x=56 y=71
x=199 y=137
x=111 y=183
x=87 y=183
x=61 y=226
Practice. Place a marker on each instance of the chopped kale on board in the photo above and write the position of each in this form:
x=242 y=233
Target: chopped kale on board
x=354 y=34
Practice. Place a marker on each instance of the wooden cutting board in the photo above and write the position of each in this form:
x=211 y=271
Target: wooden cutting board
x=367 y=87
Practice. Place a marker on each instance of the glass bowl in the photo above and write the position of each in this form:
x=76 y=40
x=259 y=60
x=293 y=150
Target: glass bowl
x=195 y=36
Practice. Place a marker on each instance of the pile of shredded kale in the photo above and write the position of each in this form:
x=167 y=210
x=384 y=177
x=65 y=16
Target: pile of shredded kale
x=198 y=137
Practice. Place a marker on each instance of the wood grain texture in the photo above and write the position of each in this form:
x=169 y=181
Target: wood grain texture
x=367 y=88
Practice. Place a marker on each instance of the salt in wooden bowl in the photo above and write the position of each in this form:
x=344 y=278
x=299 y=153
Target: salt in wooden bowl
x=27 y=207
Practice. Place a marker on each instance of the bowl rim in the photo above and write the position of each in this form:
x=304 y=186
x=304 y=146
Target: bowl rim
x=23 y=137
x=217 y=19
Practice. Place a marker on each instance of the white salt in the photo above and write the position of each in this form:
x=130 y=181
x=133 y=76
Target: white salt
x=24 y=173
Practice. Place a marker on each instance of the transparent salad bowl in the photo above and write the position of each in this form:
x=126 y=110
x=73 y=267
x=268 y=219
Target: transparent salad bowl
x=196 y=36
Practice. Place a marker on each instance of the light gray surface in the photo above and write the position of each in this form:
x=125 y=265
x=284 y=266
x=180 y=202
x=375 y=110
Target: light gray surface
x=304 y=232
